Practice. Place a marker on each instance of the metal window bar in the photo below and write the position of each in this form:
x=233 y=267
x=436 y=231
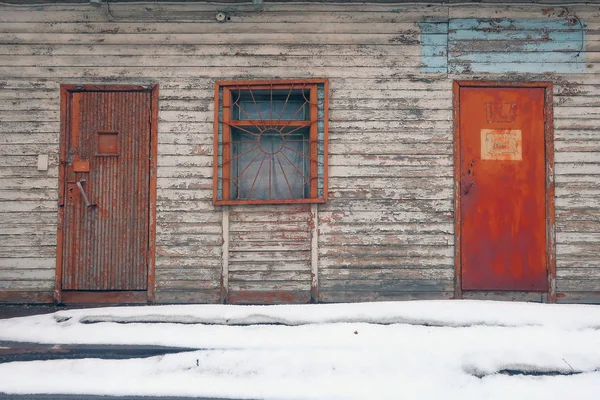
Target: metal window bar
x=305 y=158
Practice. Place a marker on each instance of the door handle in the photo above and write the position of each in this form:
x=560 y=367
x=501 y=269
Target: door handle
x=82 y=191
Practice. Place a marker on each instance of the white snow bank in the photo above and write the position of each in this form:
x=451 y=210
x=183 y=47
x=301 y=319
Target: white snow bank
x=432 y=313
x=332 y=361
x=324 y=351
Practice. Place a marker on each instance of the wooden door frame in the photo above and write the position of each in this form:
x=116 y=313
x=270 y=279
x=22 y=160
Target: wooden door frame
x=106 y=297
x=549 y=160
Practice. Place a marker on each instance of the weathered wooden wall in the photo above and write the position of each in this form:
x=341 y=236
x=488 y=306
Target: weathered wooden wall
x=387 y=230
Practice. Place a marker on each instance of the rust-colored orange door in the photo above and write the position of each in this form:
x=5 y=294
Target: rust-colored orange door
x=105 y=227
x=502 y=189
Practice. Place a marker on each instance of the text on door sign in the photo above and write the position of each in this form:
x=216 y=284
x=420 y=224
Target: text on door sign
x=501 y=144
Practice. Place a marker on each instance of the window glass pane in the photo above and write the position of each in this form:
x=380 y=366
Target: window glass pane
x=270 y=164
x=266 y=105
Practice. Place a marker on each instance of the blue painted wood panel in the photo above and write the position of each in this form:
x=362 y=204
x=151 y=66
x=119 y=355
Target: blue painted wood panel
x=503 y=45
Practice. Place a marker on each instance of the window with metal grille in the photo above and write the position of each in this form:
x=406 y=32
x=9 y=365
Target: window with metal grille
x=271 y=142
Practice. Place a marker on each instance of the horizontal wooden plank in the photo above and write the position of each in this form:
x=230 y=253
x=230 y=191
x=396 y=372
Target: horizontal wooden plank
x=351 y=252
x=272 y=227
x=373 y=273
x=9 y=139
x=190 y=261
x=266 y=256
x=574 y=261
x=210 y=27
x=577 y=181
x=28 y=149
x=577 y=123
x=578 y=215
x=577 y=191
x=387 y=239
x=577 y=237
x=281 y=37
x=577 y=157
x=28 y=195
x=187 y=284
x=206 y=49
x=269 y=246
x=584 y=274
x=39 y=229
x=194 y=217
x=578 y=297
x=200 y=159
x=576 y=101
x=302 y=285
x=28 y=206
x=385 y=228
x=582 y=168
x=170 y=296
x=29 y=115
x=18 y=96
x=188 y=274
x=198 y=182
x=340 y=296
x=365 y=171
x=188 y=240
x=25 y=161
x=19 y=172
x=269 y=236
x=29 y=274
x=579 y=249
x=157 y=60
x=268 y=266
x=28 y=241
x=267 y=276
x=352 y=260
x=382 y=160
x=577 y=146
x=523 y=11
x=569 y=203
x=27 y=297
x=25 y=286
x=577 y=285
x=27 y=263
x=199 y=251
x=578 y=226
x=404 y=213
x=342 y=147
x=208 y=72
x=200 y=146
x=28 y=218
x=580 y=112
x=199 y=198
x=361 y=198
x=194 y=12
x=392 y=285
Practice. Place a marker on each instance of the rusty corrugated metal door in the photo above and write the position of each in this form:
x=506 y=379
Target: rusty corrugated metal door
x=502 y=172
x=106 y=216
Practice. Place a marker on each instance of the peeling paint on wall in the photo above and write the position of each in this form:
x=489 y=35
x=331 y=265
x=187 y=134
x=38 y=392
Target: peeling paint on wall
x=503 y=45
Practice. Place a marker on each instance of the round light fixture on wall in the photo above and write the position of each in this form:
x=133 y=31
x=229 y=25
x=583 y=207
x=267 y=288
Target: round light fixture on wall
x=222 y=17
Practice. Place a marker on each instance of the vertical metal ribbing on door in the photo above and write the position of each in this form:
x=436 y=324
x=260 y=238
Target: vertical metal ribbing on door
x=106 y=246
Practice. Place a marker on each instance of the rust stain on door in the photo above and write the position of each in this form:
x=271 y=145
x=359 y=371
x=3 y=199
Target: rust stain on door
x=502 y=183
x=107 y=202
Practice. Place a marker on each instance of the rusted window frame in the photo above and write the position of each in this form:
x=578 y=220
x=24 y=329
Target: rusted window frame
x=318 y=132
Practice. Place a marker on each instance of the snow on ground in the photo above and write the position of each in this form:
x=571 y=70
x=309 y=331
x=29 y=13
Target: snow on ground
x=404 y=350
